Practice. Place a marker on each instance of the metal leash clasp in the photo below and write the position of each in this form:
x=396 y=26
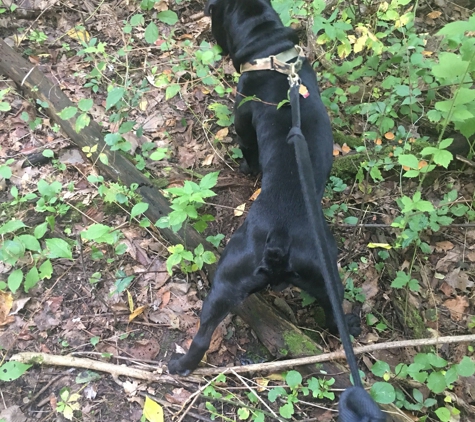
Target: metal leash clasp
x=294 y=78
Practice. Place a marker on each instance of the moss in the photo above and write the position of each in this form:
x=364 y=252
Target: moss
x=350 y=140
x=347 y=166
x=299 y=344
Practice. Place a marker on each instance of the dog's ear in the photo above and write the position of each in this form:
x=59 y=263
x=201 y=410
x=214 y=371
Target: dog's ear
x=209 y=7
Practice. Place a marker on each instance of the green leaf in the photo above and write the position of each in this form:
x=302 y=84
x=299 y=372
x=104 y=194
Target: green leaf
x=151 y=33
x=95 y=231
x=31 y=279
x=276 y=392
x=85 y=104
x=46 y=270
x=209 y=180
x=243 y=413
x=81 y=122
x=436 y=382
x=67 y=113
x=137 y=20
x=11 y=226
x=30 y=242
x=209 y=257
x=171 y=91
x=380 y=368
x=12 y=370
x=443 y=414
x=215 y=240
x=58 y=248
x=466 y=367
x=401 y=280
x=40 y=230
x=293 y=379
x=351 y=220
x=443 y=158
x=114 y=96
x=287 y=410
x=383 y=392
x=167 y=16
x=138 y=209
x=409 y=160
x=14 y=280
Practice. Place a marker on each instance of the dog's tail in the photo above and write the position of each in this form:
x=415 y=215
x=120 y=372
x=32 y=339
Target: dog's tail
x=275 y=260
x=355 y=405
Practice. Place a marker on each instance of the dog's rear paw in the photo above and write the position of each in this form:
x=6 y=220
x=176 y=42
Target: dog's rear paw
x=354 y=324
x=176 y=365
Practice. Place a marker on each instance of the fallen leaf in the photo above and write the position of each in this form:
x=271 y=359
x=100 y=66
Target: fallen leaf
x=221 y=134
x=179 y=396
x=471 y=256
x=434 y=14
x=446 y=289
x=137 y=312
x=80 y=35
x=456 y=307
x=6 y=303
x=443 y=246
x=255 y=195
x=459 y=280
x=379 y=245
x=239 y=210
x=146 y=349
x=208 y=160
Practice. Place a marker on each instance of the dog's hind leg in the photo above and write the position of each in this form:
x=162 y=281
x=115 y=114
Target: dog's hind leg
x=216 y=306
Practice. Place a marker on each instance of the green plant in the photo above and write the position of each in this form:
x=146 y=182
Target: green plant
x=189 y=261
x=68 y=403
x=435 y=373
x=37 y=36
x=186 y=202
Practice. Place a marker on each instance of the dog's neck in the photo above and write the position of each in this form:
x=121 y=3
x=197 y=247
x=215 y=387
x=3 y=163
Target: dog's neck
x=262 y=36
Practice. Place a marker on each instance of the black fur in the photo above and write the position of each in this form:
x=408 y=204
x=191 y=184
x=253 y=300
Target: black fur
x=275 y=245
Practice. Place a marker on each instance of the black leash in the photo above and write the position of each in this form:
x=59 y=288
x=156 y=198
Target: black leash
x=356 y=405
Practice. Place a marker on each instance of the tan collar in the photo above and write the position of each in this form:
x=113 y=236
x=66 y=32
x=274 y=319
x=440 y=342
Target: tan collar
x=277 y=62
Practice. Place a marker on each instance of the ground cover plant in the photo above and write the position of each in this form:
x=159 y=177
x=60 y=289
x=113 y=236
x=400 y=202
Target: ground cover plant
x=85 y=271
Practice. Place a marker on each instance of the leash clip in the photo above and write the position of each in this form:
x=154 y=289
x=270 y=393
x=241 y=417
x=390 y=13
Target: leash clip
x=294 y=78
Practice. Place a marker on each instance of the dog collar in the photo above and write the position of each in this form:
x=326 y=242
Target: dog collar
x=277 y=62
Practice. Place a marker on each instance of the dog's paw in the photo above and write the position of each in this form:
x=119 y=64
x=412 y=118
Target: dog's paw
x=354 y=324
x=245 y=168
x=176 y=365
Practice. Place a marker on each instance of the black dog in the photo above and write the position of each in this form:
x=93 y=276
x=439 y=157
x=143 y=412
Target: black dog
x=285 y=239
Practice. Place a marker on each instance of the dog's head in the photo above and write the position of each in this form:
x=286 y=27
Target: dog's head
x=233 y=20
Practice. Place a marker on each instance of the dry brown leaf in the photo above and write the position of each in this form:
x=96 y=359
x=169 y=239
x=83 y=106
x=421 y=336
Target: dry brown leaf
x=446 y=289
x=221 y=134
x=471 y=256
x=6 y=303
x=434 y=14
x=146 y=349
x=217 y=338
x=137 y=312
x=179 y=396
x=444 y=246
x=459 y=280
x=239 y=210
x=255 y=195
x=208 y=160
x=457 y=307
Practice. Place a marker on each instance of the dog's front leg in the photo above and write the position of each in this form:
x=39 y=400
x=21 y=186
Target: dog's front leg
x=216 y=306
x=247 y=139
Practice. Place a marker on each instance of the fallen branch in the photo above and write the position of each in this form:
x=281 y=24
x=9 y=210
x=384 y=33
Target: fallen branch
x=70 y=361
x=285 y=364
